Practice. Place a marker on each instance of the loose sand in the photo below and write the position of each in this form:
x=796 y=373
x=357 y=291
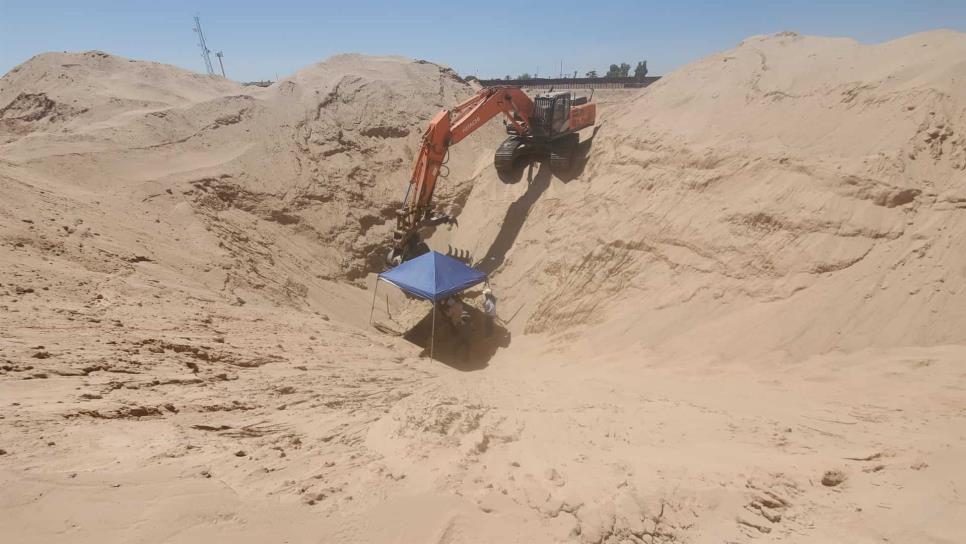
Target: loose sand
x=741 y=318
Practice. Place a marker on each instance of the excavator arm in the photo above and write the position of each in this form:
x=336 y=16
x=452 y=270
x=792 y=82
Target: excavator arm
x=447 y=128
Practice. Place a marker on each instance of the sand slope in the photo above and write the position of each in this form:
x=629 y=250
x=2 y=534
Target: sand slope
x=809 y=189
x=740 y=319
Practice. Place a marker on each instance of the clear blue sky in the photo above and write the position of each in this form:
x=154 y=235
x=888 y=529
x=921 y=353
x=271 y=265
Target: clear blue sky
x=487 y=38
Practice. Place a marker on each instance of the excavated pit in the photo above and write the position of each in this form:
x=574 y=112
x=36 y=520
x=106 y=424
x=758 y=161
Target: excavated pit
x=750 y=280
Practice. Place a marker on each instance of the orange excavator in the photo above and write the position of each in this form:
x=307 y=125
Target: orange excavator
x=546 y=125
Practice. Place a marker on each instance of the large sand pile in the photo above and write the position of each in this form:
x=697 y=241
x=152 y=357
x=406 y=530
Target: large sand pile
x=292 y=184
x=793 y=194
x=740 y=319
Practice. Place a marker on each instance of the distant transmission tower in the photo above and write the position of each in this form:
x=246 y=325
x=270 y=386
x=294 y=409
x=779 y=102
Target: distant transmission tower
x=220 y=55
x=205 y=52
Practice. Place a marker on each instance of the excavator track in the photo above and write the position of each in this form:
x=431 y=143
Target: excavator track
x=562 y=153
x=506 y=155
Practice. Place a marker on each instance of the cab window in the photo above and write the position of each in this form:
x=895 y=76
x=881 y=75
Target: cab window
x=561 y=108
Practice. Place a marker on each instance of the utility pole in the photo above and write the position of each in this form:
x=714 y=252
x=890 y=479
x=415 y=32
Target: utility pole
x=220 y=63
x=205 y=52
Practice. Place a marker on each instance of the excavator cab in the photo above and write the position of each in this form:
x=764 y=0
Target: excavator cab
x=551 y=115
x=556 y=119
x=553 y=125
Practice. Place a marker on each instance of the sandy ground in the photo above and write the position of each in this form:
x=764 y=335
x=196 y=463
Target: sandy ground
x=741 y=318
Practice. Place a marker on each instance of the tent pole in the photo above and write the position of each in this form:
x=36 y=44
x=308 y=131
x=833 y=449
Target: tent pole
x=432 y=335
x=373 y=307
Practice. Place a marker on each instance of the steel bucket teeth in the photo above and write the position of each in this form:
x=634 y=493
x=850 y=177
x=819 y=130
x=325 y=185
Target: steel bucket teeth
x=460 y=254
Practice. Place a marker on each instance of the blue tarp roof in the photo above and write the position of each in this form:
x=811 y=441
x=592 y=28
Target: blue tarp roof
x=433 y=276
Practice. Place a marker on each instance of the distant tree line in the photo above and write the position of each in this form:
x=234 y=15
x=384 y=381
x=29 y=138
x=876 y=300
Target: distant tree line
x=616 y=70
x=623 y=70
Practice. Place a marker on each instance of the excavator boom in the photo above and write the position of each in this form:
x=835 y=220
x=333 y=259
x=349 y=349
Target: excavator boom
x=447 y=128
x=546 y=126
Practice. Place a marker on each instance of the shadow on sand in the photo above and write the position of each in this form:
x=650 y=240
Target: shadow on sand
x=516 y=216
x=466 y=348
x=517 y=212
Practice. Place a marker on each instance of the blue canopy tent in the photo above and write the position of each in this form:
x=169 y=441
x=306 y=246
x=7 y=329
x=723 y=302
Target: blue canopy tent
x=431 y=276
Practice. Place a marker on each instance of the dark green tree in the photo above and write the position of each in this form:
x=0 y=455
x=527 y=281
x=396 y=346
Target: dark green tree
x=524 y=75
x=641 y=70
x=619 y=71
x=592 y=73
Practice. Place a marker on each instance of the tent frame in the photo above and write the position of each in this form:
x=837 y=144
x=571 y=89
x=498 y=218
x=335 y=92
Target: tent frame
x=432 y=334
x=432 y=293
